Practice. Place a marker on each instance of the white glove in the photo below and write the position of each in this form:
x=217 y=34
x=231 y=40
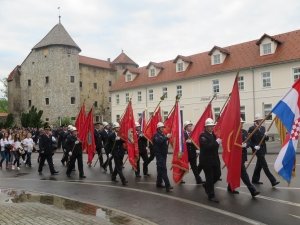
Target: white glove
x=256 y=147
x=188 y=141
x=198 y=151
x=266 y=133
x=169 y=135
x=76 y=142
x=219 y=141
x=109 y=155
x=117 y=138
x=70 y=153
x=141 y=135
x=103 y=150
x=244 y=145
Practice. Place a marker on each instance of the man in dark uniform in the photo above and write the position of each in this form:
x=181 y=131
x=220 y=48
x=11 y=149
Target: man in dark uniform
x=115 y=143
x=142 y=143
x=46 y=151
x=261 y=150
x=63 y=136
x=98 y=141
x=104 y=135
x=74 y=149
x=192 y=151
x=209 y=158
x=244 y=174
x=160 y=146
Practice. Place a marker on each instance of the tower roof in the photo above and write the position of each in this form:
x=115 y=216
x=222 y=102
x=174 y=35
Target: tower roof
x=57 y=36
x=124 y=59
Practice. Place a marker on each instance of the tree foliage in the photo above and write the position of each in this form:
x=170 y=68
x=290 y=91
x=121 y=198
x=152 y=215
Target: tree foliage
x=32 y=118
x=3 y=105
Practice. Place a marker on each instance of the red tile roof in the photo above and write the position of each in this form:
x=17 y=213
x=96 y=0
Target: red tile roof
x=157 y=65
x=132 y=70
x=124 y=59
x=267 y=36
x=223 y=50
x=12 y=74
x=242 y=56
x=95 y=62
x=183 y=58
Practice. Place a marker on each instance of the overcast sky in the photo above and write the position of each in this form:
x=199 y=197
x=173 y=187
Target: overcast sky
x=147 y=30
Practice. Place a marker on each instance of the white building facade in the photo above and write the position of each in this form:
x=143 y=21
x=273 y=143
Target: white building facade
x=267 y=69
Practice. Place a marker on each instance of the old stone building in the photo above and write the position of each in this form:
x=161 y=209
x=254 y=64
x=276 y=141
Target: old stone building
x=56 y=79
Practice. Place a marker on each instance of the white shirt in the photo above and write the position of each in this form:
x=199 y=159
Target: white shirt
x=28 y=144
x=3 y=142
x=17 y=144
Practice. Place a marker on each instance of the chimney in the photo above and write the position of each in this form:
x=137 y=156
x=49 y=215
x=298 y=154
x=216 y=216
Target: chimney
x=108 y=59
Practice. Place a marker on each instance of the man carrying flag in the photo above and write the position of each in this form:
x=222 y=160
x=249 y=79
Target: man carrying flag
x=287 y=110
x=142 y=144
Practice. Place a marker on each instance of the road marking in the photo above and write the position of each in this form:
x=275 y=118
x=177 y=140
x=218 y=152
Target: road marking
x=267 y=198
x=216 y=210
x=298 y=217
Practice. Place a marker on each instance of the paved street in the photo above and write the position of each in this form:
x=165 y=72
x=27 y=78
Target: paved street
x=187 y=204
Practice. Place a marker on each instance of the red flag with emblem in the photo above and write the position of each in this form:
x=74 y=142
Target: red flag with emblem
x=128 y=134
x=150 y=129
x=230 y=132
x=180 y=165
x=199 y=127
x=80 y=120
x=87 y=136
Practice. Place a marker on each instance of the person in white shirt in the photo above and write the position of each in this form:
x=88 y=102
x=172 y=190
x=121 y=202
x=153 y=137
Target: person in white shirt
x=17 y=151
x=28 y=146
x=5 y=144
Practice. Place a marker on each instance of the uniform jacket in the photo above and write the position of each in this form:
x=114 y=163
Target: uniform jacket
x=209 y=149
x=160 y=145
x=256 y=138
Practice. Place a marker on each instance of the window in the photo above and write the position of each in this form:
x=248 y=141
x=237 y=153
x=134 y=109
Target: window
x=139 y=96
x=117 y=118
x=241 y=83
x=47 y=80
x=97 y=118
x=117 y=99
x=267 y=109
x=296 y=73
x=266 y=49
x=128 y=77
x=152 y=72
x=80 y=84
x=165 y=92
x=29 y=103
x=127 y=97
x=96 y=104
x=47 y=101
x=109 y=99
x=217 y=59
x=109 y=83
x=179 y=90
x=243 y=114
x=72 y=100
x=72 y=79
x=29 y=83
x=266 y=79
x=180 y=67
x=46 y=119
x=95 y=85
x=150 y=93
x=165 y=115
x=217 y=113
x=215 y=86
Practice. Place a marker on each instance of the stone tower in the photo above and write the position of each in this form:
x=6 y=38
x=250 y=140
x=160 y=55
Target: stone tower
x=48 y=78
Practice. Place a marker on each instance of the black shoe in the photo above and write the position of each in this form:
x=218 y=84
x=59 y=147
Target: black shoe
x=255 y=193
x=182 y=182
x=147 y=175
x=124 y=183
x=63 y=163
x=40 y=173
x=82 y=176
x=160 y=186
x=114 y=180
x=104 y=168
x=200 y=182
x=68 y=175
x=274 y=184
x=138 y=176
x=213 y=199
x=257 y=182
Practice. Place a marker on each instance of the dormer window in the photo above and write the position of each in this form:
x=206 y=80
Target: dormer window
x=130 y=74
x=182 y=63
x=154 y=69
x=179 y=66
x=128 y=77
x=267 y=45
x=217 y=59
x=218 y=55
x=152 y=72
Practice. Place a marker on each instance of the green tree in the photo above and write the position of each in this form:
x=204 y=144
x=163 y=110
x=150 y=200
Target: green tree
x=4 y=88
x=9 y=120
x=64 y=121
x=3 y=105
x=32 y=118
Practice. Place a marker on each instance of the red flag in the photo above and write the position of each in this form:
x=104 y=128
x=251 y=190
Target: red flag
x=128 y=134
x=150 y=129
x=80 y=120
x=199 y=127
x=180 y=164
x=142 y=121
x=87 y=136
x=169 y=121
x=230 y=133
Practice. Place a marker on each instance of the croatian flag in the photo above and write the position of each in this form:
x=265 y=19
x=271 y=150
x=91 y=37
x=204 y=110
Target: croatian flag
x=287 y=110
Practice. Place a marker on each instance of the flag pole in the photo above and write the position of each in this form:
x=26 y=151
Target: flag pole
x=261 y=141
x=177 y=100
x=161 y=99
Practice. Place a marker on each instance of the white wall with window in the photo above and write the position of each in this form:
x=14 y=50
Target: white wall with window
x=216 y=112
x=267 y=46
x=296 y=73
x=267 y=108
x=215 y=86
x=181 y=65
x=217 y=57
x=150 y=94
x=117 y=99
x=266 y=79
x=165 y=92
x=241 y=83
x=127 y=97
x=179 y=90
x=139 y=96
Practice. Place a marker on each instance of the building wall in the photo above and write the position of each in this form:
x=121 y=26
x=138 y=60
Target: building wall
x=59 y=64
x=197 y=92
x=89 y=76
x=14 y=98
